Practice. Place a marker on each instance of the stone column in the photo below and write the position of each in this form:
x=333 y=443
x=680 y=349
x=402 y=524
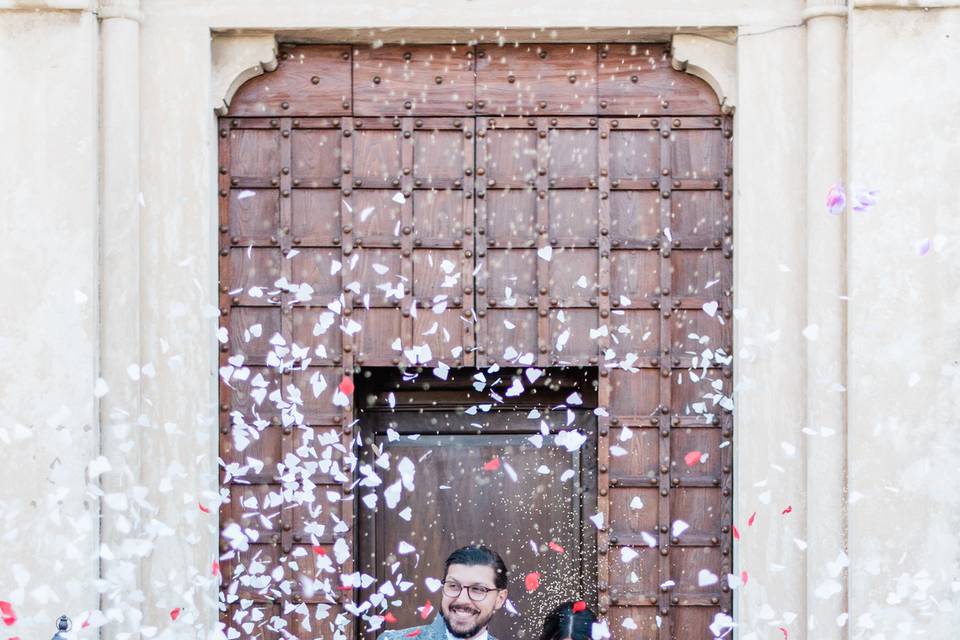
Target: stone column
x=120 y=351
x=825 y=332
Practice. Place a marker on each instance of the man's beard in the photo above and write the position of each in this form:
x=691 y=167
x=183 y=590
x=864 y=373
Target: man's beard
x=469 y=633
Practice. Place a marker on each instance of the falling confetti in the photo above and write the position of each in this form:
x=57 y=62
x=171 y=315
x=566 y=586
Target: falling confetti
x=836 y=199
x=7 y=614
x=532 y=581
x=425 y=610
x=346 y=386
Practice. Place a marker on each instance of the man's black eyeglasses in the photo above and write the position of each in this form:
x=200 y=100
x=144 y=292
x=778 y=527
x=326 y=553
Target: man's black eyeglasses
x=476 y=592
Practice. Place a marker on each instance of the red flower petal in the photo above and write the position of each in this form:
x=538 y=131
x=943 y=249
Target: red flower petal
x=787 y=510
x=493 y=464
x=579 y=606
x=753 y=518
x=736 y=533
x=320 y=551
x=692 y=458
x=346 y=385
x=425 y=610
x=744 y=577
x=784 y=631
x=555 y=547
x=532 y=581
x=203 y=508
x=7 y=614
x=413 y=634
x=175 y=613
x=390 y=618
x=215 y=568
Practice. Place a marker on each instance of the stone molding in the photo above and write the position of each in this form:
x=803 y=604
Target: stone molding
x=710 y=60
x=236 y=59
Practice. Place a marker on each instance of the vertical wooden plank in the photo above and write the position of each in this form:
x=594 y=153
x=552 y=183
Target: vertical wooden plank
x=482 y=274
x=409 y=307
x=346 y=356
x=471 y=245
x=347 y=419
x=603 y=389
x=543 y=242
x=727 y=422
x=286 y=303
x=663 y=507
x=223 y=184
x=603 y=237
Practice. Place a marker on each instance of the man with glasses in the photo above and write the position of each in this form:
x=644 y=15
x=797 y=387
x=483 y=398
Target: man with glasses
x=474 y=587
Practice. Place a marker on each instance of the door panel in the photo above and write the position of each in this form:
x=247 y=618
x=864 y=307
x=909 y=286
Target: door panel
x=459 y=498
x=536 y=205
x=413 y=80
x=557 y=78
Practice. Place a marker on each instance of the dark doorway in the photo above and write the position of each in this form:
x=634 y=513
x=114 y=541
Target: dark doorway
x=478 y=473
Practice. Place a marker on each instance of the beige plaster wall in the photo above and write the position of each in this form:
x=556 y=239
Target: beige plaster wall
x=904 y=327
x=902 y=344
x=48 y=318
x=770 y=302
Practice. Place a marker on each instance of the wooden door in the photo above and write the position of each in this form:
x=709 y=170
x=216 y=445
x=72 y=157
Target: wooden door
x=450 y=206
x=486 y=480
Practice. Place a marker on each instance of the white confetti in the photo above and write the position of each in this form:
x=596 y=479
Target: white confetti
x=705 y=578
x=571 y=440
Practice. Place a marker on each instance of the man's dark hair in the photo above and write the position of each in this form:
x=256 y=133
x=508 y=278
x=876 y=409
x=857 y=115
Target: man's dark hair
x=473 y=555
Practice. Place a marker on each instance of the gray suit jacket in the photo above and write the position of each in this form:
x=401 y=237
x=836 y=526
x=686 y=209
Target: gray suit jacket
x=436 y=630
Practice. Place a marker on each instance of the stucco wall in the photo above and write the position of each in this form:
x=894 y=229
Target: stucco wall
x=48 y=318
x=904 y=327
x=902 y=344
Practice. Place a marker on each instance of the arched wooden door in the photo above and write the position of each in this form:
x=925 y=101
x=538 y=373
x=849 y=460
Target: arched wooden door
x=564 y=205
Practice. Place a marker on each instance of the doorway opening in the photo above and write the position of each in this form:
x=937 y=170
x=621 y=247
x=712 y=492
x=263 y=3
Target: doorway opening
x=464 y=460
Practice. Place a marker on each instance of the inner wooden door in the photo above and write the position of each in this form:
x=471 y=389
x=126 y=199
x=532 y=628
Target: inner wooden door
x=493 y=480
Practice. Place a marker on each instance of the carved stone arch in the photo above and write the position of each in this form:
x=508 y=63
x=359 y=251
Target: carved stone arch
x=711 y=60
x=301 y=81
x=236 y=59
